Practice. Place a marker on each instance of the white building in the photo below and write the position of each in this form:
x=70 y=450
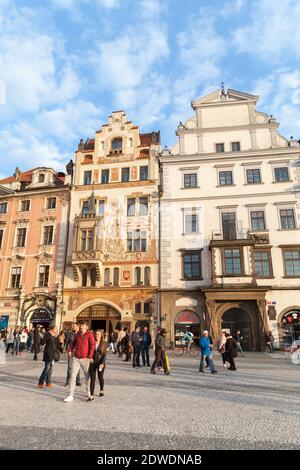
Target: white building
x=230 y=230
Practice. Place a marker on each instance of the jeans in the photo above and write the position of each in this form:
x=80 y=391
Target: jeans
x=136 y=356
x=209 y=360
x=69 y=372
x=271 y=347
x=145 y=355
x=47 y=373
x=16 y=346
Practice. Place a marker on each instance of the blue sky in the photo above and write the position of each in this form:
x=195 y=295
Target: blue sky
x=65 y=65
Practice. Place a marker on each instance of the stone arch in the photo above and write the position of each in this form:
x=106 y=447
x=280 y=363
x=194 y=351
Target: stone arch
x=96 y=301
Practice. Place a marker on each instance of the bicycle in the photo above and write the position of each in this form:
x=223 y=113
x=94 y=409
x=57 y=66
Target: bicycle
x=182 y=348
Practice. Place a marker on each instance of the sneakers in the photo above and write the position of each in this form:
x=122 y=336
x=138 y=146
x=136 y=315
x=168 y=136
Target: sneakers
x=68 y=399
x=101 y=394
x=224 y=365
x=91 y=398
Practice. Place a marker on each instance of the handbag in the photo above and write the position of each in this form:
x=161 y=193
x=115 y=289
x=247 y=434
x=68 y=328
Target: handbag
x=56 y=355
x=167 y=362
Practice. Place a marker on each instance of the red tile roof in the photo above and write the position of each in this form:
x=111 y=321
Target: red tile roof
x=25 y=177
x=150 y=138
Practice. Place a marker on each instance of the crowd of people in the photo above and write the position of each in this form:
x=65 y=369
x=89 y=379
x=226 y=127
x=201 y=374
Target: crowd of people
x=87 y=350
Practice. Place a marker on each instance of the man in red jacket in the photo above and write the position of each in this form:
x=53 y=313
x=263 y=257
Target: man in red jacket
x=82 y=349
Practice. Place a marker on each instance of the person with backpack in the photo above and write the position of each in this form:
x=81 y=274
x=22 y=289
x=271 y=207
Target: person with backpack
x=51 y=354
x=231 y=349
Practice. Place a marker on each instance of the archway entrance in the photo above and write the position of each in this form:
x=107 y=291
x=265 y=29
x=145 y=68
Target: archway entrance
x=100 y=317
x=290 y=327
x=237 y=319
x=41 y=316
x=186 y=320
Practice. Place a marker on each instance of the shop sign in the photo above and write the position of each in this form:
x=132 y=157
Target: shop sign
x=187 y=317
x=4 y=322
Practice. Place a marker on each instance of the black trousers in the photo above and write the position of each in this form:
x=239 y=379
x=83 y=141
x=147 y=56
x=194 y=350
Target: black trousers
x=94 y=370
x=9 y=346
x=145 y=356
x=136 y=356
x=120 y=349
x=230 y=359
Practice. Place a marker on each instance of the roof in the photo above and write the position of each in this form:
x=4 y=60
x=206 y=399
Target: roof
x=150 y=138
x=26 y=177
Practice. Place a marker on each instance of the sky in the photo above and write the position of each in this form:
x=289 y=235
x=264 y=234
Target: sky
x=65 y=65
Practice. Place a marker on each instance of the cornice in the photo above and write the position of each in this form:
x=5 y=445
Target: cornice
x=241 y=127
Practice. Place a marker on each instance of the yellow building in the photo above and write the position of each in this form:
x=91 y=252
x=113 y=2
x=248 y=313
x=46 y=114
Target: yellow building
x=111 y=272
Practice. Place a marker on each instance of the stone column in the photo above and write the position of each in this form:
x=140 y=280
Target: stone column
x=262 y=307
x=181 y=144
x=200 y=143
x=253 y=138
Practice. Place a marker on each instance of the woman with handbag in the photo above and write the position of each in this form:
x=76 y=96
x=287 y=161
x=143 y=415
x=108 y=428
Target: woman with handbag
x=97 y=366
x=51 y=355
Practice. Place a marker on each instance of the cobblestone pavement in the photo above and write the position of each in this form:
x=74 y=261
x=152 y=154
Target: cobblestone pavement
x=257 y=407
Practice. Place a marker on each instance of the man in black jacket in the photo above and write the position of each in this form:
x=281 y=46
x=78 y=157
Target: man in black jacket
x=145 y=344
x=136 y=344
x=51 y=344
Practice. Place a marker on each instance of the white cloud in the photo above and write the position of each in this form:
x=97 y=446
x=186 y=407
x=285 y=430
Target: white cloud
x=68 y=4
x=272 y=32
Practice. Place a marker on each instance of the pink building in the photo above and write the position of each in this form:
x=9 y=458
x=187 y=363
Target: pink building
x=34 y=210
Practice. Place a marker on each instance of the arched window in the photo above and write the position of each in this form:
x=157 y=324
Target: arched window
x=116 y=144
x=137 y=276
x=93 y=275
x=147 y=278
x=116 y=276
x=84 y=277
x=107 y=277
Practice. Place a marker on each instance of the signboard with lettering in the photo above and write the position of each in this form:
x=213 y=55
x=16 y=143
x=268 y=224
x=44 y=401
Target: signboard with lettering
x=4 y=322
x=187 y=317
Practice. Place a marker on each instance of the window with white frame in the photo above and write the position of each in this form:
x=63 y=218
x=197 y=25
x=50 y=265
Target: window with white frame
x=190 y=221
x=136 y=241
x=235 y=146
x=257 y=220
x=48 y=232
x=3 y=207
x=281 y=174
x=253 y=176
x=15 y=280
x=101 y=206
x=50 y=202
x=21 y=237
x=225 y=177
x=220 y=147
x=287 y=218
x=43 y=277
x=25 y=205
x=190 y=180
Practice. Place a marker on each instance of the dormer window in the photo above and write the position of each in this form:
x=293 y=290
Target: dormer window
x=116 y=145
x=41 y=178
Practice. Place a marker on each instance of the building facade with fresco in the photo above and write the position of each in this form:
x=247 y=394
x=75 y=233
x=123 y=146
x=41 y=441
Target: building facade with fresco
x=34 y=211
x=111 y=272
x=230 y=231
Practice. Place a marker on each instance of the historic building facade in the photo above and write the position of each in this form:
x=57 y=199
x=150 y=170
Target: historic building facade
x=230 y=222
x=111 y=272
x=33 y=235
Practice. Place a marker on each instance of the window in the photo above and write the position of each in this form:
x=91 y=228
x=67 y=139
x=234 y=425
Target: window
x=41 y=178
x=147 y=308
x=281 y=174
x=192 y=265
x=21 y=237
x=190 y=180
x=292 y=262
x=48 y=235
x=87 y=177
x=116 y=276
x=287 y=219
x=3 y=207
x=105 y=176
x=228 y=226
x=85 y=207
x=116 y=144
x=130 y=206
x=138 y=307
x=258 y=220
x=233 y=264
x=191 y=223
x=107 y=277
x=143 y=205
x=220 y=148
x=125 y=175
x=130 y=142
x=262 y=261
x=1 y=238
x=143 y=173
x=51 y=203
x=16 y=277
x=84 y=278
x=147 y=278
x=235 y=146
x=87 y=240
x=253 y=176
x=44 y=276
x=25 y=206
x=93 y=275
x=137 y=277
x=136 y=241
x=225 y=178
x=101 y=206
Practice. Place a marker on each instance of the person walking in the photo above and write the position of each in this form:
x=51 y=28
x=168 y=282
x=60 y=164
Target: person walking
x=36 y=342
x=145 y=345
x=74 y=330
x=238 y=339
x=29 y=340
x=120 y=343
x=97 y=366
x=111 y=342
x=136 y=344
x=9 y=340
x=82 y=348
x=23 y=339
x=230 y=351
x=221 y=349
x=51 y=342
x=126 y=345
x=160 y=352
x=16 y=345
x=206 y=351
